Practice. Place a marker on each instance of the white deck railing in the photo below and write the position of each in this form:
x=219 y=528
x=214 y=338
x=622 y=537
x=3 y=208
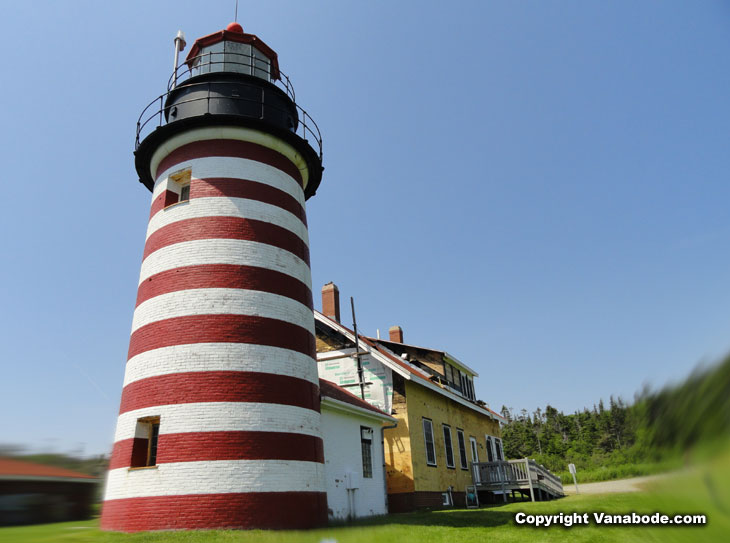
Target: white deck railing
x=510 y=474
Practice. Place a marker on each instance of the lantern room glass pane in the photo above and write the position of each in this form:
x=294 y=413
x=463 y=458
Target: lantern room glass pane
x=230 y=56
x=238 y=57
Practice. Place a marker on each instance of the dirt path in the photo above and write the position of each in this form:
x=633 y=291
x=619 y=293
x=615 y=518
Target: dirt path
x=606 y=487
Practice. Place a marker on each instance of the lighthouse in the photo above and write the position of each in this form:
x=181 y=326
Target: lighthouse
x=219 y=423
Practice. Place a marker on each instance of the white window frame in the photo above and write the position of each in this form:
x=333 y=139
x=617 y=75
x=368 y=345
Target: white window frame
x=429 y=422
x=497 y=452
x=474 y=457
x=366 y=451
x=498 y=448
x=474 y=449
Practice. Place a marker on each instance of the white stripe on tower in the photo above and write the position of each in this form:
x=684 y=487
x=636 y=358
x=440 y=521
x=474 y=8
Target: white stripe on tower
x=222 y=301
x=220 y=357
x=229 y=207
x=223 y=167
x=221 y=477
x=226 y=251
x=239 y=417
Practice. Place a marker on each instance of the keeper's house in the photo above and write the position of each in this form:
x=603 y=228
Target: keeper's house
x=441 y=426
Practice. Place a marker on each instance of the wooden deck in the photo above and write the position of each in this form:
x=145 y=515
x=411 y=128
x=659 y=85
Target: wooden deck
x=524 y=476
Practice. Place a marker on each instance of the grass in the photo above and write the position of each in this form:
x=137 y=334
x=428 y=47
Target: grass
x=625 y=471
x=702 y=490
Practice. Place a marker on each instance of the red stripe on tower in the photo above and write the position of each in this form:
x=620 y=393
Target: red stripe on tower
x=219 y=386
x=226 y=228
x=267 y=510
x=232 y=149
x=198 y=446
x=222 y=329
x=251 y=190
x=224 y=276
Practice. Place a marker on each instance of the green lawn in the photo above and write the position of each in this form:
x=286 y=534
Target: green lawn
x=625 y=471
x=704 y=490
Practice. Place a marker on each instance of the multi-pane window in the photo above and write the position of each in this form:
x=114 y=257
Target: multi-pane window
x=447 y=445
x=366 y=443
x=462 y=449
x=490 y=451
x=428 y=438
x=499 y=453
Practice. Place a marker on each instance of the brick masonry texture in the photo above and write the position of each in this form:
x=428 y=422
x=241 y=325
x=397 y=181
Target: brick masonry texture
x=220 y=357
x=223 y=301
x=278 y=510
x=221 y=329
x=228 y=207
x=225 y=251
x=248 y=189
x=216 y=477
x=189 y=446
x=222 y=351
x=227 y=228
x=161 y=201
x=223 y=417
x=234 y=168
x=224 y=276
x=219 y=386
x=230 y=148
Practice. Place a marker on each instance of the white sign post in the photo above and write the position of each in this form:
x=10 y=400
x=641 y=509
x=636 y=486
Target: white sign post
x=571 y=468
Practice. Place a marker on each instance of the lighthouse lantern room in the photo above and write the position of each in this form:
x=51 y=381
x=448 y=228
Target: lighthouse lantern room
x=219 y=422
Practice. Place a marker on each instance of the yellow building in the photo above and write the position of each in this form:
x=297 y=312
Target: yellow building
x=441 y=426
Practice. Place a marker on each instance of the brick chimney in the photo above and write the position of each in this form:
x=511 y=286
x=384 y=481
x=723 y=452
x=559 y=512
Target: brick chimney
x=396 y=334
x=331 y=301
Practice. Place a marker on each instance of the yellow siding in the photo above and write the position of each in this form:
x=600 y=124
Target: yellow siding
x=398 y=451
x=422 y=402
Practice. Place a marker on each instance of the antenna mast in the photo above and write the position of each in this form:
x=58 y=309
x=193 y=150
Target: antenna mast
x=179 y=46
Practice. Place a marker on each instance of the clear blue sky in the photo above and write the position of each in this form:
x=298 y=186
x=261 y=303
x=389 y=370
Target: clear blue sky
x=539 y=188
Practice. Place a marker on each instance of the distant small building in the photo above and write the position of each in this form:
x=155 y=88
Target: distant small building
x=352 y=430
x=33 y=493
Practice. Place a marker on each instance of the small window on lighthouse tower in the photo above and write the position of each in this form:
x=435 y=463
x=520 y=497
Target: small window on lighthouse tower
x=179 y=183
x=144 y=446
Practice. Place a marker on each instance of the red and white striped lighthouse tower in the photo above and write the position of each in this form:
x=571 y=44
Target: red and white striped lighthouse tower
x=219 y=424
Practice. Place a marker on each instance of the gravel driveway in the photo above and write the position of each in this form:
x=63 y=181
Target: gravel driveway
x=607 y=487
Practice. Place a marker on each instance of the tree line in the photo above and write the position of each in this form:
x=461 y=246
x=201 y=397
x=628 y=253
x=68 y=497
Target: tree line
x=657 y=425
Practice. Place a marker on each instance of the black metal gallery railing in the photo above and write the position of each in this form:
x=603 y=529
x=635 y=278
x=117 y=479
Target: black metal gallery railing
x=158 y=112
